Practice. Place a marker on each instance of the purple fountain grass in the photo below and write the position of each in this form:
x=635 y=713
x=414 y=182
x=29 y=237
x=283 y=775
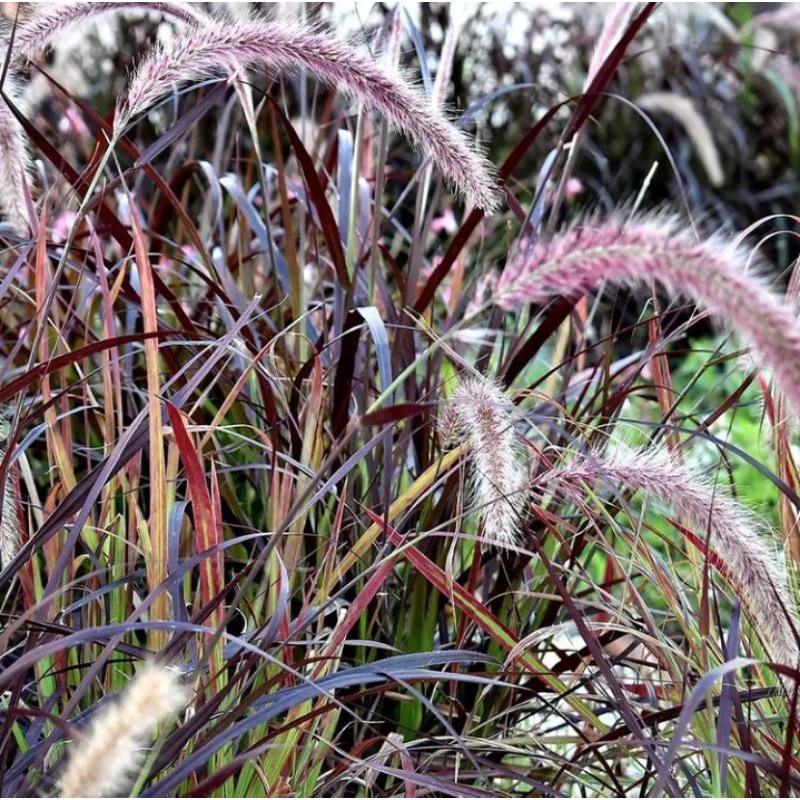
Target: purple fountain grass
x=103 y=761
x=50 y=20
x=714 y=273
x=481 y=414
x=210 y=50
x=753 y=564
x=9 y=523
x=14 y=161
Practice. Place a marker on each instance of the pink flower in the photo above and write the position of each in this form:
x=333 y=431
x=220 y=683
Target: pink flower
x=573 y=187
x=62 y=225
x=446 y=223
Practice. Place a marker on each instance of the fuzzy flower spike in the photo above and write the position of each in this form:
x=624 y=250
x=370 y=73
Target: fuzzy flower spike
x=9 y=523
x=744 y=549
x=106 y=757
x=481 y=414
x=213 y=49
x=658 y=250
x=15 y=163
x=49 y=21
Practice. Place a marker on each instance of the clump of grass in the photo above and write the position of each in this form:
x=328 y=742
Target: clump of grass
x=104 y=759
x=43 y=27
x=224 y=343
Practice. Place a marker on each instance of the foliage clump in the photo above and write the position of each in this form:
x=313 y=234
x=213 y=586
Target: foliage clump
x=425 y=481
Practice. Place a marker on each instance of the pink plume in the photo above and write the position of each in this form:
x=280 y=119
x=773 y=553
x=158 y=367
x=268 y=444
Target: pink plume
x=713 y=273
x=754 y=565
x=217 y=48
x=14 y=162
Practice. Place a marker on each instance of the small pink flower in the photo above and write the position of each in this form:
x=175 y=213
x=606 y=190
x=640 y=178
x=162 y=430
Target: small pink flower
x=62 y=225
x=446 y=223
x=72 y=123
x=573 y=187
x=189 y=252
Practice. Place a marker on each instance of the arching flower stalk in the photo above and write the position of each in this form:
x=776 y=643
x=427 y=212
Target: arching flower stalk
x=49 y=21
x=217 y=48
x=42 y=29
x=752 y=562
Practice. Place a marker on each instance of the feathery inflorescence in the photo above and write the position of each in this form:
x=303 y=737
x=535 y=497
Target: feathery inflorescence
x=15 y=163
x=210 y=50
x=49 y=21
x=617 y=20
x=697 y=129
x=107 y=755
x=9 y=524
x=752 y=563
x=658 y=250
x=481 y=414
x=444 y=71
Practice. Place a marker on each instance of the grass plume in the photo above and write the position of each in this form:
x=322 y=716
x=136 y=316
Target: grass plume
x=49 y=21
x=697 y=129
x=754 y=566
x=15 y=163
x=659 y=250
x=106 y=756
x=479 y=412
x=9 y=524
x=207 y=51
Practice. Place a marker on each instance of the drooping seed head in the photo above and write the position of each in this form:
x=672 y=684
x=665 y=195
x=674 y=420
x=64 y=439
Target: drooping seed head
x=216 y=49
x=657 y=250
x=751 y=559
x=479 y=412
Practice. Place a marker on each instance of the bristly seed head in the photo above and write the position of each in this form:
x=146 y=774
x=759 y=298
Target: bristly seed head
x=659 y=250
x=480 y=413
x=104 y=760
x=214 y=48
x=752 y=563
x=9 y=523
